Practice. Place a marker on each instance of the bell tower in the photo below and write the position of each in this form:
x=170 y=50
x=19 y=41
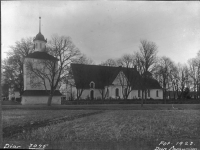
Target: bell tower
x=36 y=89
x=39 y=40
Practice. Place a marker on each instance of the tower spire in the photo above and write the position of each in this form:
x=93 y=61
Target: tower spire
x=39 y=24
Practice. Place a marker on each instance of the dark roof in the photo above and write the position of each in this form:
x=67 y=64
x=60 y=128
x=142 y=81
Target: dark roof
x=41 y=55
x=147 y=74
x=151 y=83
x=133 y=77
x=40 y=37
x=102 y=75
x=40 y=93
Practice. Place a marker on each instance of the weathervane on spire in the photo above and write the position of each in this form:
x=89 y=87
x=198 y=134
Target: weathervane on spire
x=40 y=24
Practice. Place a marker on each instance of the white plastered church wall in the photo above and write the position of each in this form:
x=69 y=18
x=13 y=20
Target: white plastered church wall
x=28 y=77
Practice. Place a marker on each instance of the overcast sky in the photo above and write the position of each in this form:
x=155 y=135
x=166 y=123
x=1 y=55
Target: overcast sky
x=103 y=30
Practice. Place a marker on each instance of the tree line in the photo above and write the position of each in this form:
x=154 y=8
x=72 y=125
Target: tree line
x=178 y=78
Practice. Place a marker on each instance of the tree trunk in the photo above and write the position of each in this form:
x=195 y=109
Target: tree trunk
x=145 y=94
x=49 y=100
x=165 y=96
x=79 y=93
x=197 y=90
x=174 y=92
x=142 y=99
x=1 y=123
x=102 y=94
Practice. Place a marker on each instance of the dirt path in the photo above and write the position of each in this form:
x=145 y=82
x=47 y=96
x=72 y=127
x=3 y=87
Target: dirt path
x=16 y=129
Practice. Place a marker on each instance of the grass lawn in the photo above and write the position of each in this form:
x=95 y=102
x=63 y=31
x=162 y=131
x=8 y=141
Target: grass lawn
x=128 y=129
x=10 y=103
x=20 y=116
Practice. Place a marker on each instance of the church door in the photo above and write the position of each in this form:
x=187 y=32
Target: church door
x=92 y=94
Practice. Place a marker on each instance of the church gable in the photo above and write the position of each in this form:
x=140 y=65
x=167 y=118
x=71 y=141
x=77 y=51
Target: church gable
x=120 y=79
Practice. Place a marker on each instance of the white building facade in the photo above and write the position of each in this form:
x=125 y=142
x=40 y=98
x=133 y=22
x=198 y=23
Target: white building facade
x=34 y=88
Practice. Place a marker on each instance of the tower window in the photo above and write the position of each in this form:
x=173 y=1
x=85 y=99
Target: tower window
x=36 y=45
x=40 y=45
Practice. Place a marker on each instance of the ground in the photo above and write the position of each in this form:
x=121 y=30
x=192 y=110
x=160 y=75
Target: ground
x=103 y=126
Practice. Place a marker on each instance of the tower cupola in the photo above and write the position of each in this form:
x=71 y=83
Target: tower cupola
x=39 y=40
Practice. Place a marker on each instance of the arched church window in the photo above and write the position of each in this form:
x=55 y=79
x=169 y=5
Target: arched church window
x=116 y=92
x=157 y=93
x=92 y=85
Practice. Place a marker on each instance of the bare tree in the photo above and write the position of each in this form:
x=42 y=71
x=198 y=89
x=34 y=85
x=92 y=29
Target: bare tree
x=148 y=55
x=109 y=62
x=146 y=60
x=164 y=69
x=181 y=79
x=22 y=48
x=13 y=65
x=80 y=86
x=51 y=72
x=83 y=59
x=172 y=78
x=193 y=73
x=1 y=120
x=127 y=62
x=198 y=73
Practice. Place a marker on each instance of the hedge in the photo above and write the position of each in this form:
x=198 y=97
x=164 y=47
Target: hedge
x=127 y=101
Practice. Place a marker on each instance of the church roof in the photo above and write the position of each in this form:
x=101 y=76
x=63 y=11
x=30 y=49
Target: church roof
x=39 y=37
x=40 y=93
x=104 y=75
x=151 y=83
x=100 y=75
x=41 y=55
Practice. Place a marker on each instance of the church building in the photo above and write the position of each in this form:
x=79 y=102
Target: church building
x=37 y=93
x=95 y=81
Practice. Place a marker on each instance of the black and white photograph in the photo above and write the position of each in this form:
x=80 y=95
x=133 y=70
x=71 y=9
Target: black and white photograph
x=100 y=75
